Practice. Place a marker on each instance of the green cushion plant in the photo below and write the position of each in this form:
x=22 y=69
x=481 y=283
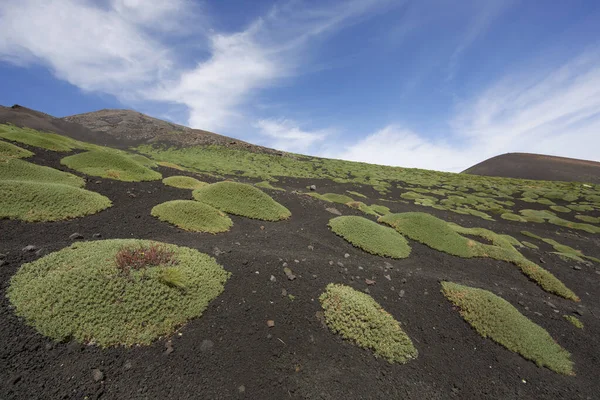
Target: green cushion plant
x=184 y=182
x=111 y=165
x=192 y=216
x=20 y=170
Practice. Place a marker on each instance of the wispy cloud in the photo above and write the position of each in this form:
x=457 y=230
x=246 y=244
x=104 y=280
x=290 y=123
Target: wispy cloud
x=556 y=113
x=287 y=135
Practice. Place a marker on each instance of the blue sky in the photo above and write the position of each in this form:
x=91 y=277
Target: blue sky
x=435 y=84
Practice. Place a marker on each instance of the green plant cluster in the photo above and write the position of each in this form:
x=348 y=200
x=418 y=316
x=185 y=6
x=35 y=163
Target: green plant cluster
x=9 y=150
x=332 y=197
x=574 y=320
x=492 y=316
x=448 y=238
x=44 y=140
x=38 y=201
x=184 y=182
x=193 y=216
x=111 y=165
x=359 y=318
x=79 y=293
x=20 y=170
x=356 y=194
x=242 y=199
x=267 y=185
x=539 y=216
x=370 y=236
x=562 y=250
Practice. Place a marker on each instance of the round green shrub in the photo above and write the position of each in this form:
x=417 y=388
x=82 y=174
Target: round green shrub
x=184 y=182
x=19 y=170
x=241 y=199
x=358 y=317
x=370 y=236
x=37 y=201
x=9 y=150
x=110 y=165
x=192 y=216
x=80 y=293
x=512 y=217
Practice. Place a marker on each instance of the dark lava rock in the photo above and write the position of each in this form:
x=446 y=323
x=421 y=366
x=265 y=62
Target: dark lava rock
x=76 y=236
x=96 y=236
x=97 y=375
x=29 y=248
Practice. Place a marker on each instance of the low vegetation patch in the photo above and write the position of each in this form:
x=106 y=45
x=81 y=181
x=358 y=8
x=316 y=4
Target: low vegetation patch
x=9 y=150
x=562 y=250
x=241 y=199
x=193 y=216
x=492 y=316
x=115 y=292
x=359 y=318
x=356 y=194
x=20 y=170
x=574 y=320
x=44 y=140
x=110 y=165
x=332 y=197
x=184 y=182
x=370 y=236
x=267 y=185
x=38 y=201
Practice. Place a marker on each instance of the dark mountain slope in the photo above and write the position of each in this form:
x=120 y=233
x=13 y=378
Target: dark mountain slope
x=540 y=167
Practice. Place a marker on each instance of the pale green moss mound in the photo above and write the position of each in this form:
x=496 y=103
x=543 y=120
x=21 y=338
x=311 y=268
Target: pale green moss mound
x=79 y=293
x=184 y=182
x=37 y=201
x=193 y=216
x=9 y=150
x=241 y=199
x=492 y=316
x=370 y=236
x=19 y=170
x=110 y=165
x=358 y=317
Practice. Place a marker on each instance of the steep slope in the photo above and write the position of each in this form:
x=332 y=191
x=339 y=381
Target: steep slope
x=539 y=167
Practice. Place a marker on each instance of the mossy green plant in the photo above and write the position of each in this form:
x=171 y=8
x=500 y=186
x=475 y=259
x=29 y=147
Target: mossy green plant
x=562 y=250
x=44 y=140
x=356 y=194
x=512 y=217
x=184 y=182
x=370 y=236
x=359 y=318
x=587 y=218
x=9 y=150
x=267 y=185
x=242 y=199
x=20 y=170
x=79 y=293
x=110 y=165
x=332 y=197
x=530 y=245
x=492 y=316
x=37 y=201
x=574 y=321
x=560 y=209
x=192 y=216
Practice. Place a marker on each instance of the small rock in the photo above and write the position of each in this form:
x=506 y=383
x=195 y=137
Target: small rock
x=403 y=280
x=169 y=346
x=340 y=264
x=76 y=236
x=576 y=267
x=96 y=236
x=40 y=252
x=366 y=290
x=29 y=248
x=551 y=305
x=389 y=278
x=346 y=255
x=242 y=389
x=369 y=282
x=3 y=263
x=330 y=262
x=578 y=311
x=313 y=187
x=333 y=210
x=2 y=256
x=360 y=268
x=542 y=260
x=127 y=365
x=273 y=279
x=217 y=251
x=97 y=375
x=206 y=345
x=49 y=346
x=290 y=275
x=284 y=264
x=296 y=261
x=539 y=314
x=270 y=323
x=401 y=293
x=283 y=292
x=311 y=248
x=262 y=227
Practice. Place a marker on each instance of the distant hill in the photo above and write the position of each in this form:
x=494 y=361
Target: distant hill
x=537 y=166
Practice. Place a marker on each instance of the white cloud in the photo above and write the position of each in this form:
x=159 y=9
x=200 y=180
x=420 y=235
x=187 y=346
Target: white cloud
x=556 y=113
x=287 y=135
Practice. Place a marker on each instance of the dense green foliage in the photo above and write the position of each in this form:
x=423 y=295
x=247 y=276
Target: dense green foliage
x=184 y=182
x=38 y=201
x=492 y=316
x=44 y=140
x=193 y=216
x=370 y=236
x=78 y=292
x=19 y=170
x=332 y=197
x=358 y=317
x=574 y=320
x=267 y=185
x=241 y=199
x=9 y=150
x=563 y=250
x=443 y=236
x=111 y=165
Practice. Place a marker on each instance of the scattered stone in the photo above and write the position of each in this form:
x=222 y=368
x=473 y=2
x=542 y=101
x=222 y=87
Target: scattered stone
x=242 y=389
x=283 y=292
x=97 y=375
x=3 y=263
x=576 y=267
x=98 y=182
x=169 y=346
x=369 y=282
x=403 y=280
x=76 y=236
x=366 y=290
x=360 y=268
x=313 y=187
x=49 y=346
x=539 y=314
x=388 y=265
x=330 y=262
x=217 y=251
x=290 y=275
x=578 y=311
x=521 y=303
x=206 y=345
x=321 y=317
x=340 y=264
x=551 y=305
x=262 y=227
x=389 y=278
x=96 y=236
x=127 y=365
x=270 y=323
x=401 y=293
x=333 y=210
x=296 y=261
x=285 y=264
x=273 y=279
x=2 y=256
x=542 y=260
x=29 y=248
x=346 y=255
x=311 y=248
